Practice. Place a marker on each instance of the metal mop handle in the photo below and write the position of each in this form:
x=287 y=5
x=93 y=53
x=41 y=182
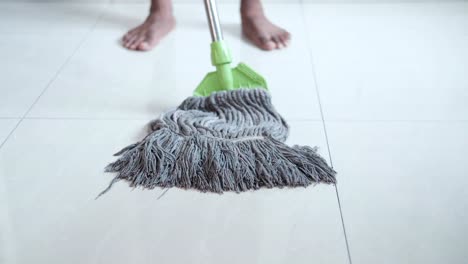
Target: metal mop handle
x=220 y=54
x=213 y=20
x=224 y=78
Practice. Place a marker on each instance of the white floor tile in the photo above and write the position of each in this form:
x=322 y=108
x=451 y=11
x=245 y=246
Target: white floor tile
x=29 y=63
x=6 y=125
x=104 y=80
x=49 y=17
x=391 y=61
x=48 y=208
x=403 y=189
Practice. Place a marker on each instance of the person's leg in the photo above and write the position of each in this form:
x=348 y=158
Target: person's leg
x=258 y=29
x=158 y=24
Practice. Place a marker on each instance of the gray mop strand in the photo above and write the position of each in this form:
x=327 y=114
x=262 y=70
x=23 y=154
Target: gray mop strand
x=228 y=141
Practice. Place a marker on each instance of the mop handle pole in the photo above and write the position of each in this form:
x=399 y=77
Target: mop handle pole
x=213 y=20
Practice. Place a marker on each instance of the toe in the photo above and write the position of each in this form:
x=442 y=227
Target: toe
x=266 y=43
x=277 y=41
x=130 y=42
x=136 y=43
x=148 y=43
x=284 y=41
x=144 y=46
x=126 y=39
x=286 y=37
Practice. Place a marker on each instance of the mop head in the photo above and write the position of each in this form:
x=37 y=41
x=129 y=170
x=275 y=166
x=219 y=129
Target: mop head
x=228 y=141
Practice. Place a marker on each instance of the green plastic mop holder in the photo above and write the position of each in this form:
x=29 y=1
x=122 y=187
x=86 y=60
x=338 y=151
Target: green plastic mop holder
x=226 y=78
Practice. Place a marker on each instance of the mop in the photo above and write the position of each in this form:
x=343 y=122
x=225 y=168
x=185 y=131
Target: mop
x=226 y=137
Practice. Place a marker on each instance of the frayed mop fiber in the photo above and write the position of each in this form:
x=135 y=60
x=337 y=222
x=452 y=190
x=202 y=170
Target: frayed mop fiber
x=228 y=141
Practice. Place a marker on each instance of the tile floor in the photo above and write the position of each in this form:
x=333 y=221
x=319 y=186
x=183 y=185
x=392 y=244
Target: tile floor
x=382 y=89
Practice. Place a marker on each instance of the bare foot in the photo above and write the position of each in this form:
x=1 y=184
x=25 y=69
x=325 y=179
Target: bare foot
x=263 y=33
x=147 y=35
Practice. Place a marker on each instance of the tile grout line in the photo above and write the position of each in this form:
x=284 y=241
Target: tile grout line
x=60 y=69
x=289 y=119
x=314 y=75
x=9 y=134
x=126 y=119
x=80 y=44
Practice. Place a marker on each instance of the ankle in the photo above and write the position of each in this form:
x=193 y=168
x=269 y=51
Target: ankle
x=156 y=15
x=161 y=11
x=252 y=15
x=251 y=9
